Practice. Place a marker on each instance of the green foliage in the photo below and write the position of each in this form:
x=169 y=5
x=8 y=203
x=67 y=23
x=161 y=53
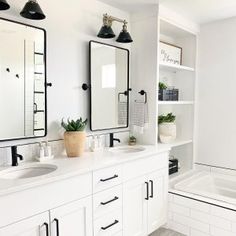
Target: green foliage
x=169 y=118
x=132 y=138
x=73 y=126
x=162 y=86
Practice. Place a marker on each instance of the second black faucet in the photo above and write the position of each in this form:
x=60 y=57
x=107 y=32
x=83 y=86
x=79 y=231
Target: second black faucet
x=112 y=139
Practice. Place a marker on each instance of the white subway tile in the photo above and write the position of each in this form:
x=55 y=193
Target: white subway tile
x=170 y=197
x=210 y=219
x=187 y=202
x=194 y=232
x=234 y=227
x=195 y=224
x=220 y=232
x=223 y=171
x=202 y=167
x=170 y=215
x=185 y=211
x=183 y=229
x=224 y=213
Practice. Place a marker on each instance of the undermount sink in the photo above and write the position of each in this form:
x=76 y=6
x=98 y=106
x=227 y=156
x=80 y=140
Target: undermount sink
x=127 y=149
x=25 y=172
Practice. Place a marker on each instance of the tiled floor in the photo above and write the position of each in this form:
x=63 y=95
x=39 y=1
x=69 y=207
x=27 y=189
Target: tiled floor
x=165 y=232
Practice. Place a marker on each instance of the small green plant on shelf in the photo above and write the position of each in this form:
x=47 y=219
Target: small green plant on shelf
x=74 y=125
x=132 y=140
x=169 y=118
x=162 y=86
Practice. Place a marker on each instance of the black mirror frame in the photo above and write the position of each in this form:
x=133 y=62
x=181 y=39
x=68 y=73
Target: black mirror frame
x=45 y=81
x=128 y=88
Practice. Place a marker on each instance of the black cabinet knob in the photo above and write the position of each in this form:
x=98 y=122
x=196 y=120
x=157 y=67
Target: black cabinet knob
x=86 y=87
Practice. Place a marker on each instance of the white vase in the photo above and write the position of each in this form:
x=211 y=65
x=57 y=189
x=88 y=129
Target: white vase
x=167 y=132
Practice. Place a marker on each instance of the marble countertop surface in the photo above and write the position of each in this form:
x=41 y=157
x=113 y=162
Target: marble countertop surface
x=71 y=167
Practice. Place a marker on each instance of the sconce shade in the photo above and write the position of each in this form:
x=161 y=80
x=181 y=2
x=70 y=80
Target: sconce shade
x=32 y=11
x=124 y=37
x=4 y=5
x=106 y=32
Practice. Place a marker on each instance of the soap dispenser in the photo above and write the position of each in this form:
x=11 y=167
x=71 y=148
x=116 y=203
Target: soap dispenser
x=48 y=150
x=41 y=150
x=93 y=144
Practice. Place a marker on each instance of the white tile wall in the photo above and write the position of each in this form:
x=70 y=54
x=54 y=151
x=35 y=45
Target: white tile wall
x=193 y=218
x=29 y=151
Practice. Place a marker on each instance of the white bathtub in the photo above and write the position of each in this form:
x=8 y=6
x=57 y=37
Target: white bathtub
x=212 y=185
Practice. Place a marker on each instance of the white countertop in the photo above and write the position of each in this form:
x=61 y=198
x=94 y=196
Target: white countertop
x=69 y=167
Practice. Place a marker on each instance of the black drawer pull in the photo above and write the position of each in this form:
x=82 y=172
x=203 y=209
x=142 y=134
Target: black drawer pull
x=57 y=225
x=47 y=228
x=109 y=226
x=113 y=177
x=112 y=200
x=147 y=189
x=151 y=196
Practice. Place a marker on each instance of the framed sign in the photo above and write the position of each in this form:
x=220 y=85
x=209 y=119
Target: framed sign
x=170 y=54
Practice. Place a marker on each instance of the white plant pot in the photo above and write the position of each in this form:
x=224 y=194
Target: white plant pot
x=167 y=132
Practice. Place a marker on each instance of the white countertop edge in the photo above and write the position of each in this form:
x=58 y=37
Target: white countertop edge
x=67 y=168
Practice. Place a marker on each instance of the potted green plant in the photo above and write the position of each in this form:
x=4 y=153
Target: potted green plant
x=166 y=93
x=167 y=128
x=132 y=140
x=162 y=86
x=74 y=136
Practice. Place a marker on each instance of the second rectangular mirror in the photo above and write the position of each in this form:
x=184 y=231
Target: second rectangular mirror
x=109 y=74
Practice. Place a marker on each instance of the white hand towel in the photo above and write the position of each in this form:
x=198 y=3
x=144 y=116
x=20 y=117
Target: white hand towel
x=139 y=119
x=122 y=113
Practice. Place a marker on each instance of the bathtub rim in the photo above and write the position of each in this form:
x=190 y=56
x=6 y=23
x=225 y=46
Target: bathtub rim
x=194 y=196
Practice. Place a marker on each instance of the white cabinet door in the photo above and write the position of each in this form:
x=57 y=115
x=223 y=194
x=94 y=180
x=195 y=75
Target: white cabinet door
x=135 y=207
x=73 y=219
x=157 y=203
x=34 y=226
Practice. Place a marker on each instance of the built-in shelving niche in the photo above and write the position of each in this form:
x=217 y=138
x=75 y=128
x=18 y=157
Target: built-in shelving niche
x=183 y=78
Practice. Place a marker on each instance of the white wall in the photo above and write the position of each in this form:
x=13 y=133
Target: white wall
x=144 y=61
x=216 y=110
x=70 y=25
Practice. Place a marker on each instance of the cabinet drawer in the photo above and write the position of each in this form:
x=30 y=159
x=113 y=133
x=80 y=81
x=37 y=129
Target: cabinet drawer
x=109 y=225
x=145 y=165
x=107 y=201
x=107 y=178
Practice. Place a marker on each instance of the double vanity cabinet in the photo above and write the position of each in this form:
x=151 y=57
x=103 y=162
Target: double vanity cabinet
x=117 y=195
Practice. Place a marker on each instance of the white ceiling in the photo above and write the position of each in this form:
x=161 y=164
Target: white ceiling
x=131 y=5
x=199 y=11
x=202 y=11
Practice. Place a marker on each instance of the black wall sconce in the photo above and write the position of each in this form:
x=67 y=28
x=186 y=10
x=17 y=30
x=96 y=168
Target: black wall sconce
x=32 y=11
x=4 y=5
x=106 y=31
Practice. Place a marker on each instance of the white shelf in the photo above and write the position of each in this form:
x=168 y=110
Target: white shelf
x=175 y=68
x=176 y=143
x=175 y=102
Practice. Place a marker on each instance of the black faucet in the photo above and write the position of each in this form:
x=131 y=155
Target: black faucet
x=112 y=139
x=15 y=156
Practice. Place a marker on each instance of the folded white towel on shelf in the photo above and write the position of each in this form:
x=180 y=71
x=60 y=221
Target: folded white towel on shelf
x=122 y=113
x=139 y=118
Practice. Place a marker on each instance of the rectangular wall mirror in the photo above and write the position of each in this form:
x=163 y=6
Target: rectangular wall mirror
x=109 y=75
x=22 y=81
